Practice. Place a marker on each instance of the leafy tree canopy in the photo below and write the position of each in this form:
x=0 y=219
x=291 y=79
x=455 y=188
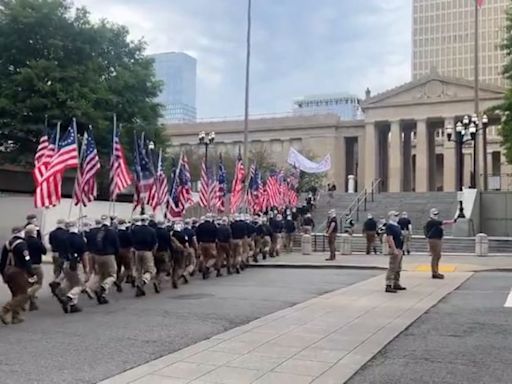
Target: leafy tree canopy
x=56 y=62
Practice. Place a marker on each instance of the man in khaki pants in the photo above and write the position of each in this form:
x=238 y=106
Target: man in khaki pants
x=332 y=231
x=206 y=235
x=107 y=244
x=36 y=250
x=395 y=244
x=144 y=243
x=434 y=233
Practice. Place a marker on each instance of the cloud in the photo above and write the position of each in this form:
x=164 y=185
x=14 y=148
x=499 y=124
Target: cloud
x=299 y=47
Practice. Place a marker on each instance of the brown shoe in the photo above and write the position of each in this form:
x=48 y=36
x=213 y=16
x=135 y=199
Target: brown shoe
x=390 y=289
x=330 y=259
x=438 y=276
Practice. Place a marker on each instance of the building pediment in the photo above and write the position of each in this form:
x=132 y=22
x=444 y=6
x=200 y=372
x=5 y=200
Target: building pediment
x=433 y=88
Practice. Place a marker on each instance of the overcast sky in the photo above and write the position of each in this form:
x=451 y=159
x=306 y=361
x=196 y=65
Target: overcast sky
x=299 y=47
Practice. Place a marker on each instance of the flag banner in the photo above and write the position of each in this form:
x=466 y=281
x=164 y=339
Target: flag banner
x=120 y=174
x=85 y=189
x=238 y=186
x=48 y=192
x=204 y=188
x=480 y=3
x=159 y=191
x=306 y=165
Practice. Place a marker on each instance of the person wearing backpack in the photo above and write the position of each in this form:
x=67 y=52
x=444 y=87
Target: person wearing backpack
x=434 y=233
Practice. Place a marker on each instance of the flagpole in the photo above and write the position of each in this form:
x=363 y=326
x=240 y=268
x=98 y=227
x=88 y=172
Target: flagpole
x=247 y=78
x=79 y=164
x=111 y=205
x=476 y=176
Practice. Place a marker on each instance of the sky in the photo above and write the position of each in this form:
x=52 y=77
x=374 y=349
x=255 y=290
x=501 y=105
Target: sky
x=299 y=47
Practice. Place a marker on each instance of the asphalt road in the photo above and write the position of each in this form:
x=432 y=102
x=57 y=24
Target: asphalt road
x=102 y=341
x=466 y=338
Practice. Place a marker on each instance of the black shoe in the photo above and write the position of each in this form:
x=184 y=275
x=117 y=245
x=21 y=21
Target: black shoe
x=237 y=270
x=32 y=306
x=255 y=259
x=156 y=286
x=103 y=300
x=438 y=276
x=175 y=285
x=408 y=251
x=100 y=292
x=54 y=286
x=219 y=273
x=264 y=257
x=119 y=287
x=75 y=309
x=229 y=271
x=374 y=251
x=398 y=287
x=206 y=273
x=185 y=279
x=139 y=291
x=66 y=302
x=390 y=289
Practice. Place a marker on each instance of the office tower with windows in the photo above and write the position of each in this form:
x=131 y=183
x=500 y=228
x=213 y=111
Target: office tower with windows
x=177 y=71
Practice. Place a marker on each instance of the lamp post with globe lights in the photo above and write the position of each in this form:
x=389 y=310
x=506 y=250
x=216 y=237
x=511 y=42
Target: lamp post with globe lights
x=206 y=140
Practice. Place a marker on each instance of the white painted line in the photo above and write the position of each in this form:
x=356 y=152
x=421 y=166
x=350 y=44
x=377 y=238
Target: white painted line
x=508 y=303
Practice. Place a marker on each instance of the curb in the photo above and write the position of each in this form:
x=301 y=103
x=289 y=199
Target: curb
x=317 y=266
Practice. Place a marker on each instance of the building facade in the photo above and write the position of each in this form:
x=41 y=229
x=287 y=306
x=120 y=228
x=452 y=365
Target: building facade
x=346 y=106
x=177 y=71
x=443 y=37
x=401 y=140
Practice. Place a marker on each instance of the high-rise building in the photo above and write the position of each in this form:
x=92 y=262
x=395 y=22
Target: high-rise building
x=344 y=105
x=177 y=71
x=444 y=38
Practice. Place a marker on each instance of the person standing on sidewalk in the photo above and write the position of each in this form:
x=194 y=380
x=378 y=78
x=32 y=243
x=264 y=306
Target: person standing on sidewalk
x=370 y=231
x=406 y=227
x=434 y=233
x=332 y=231
x=395 y=244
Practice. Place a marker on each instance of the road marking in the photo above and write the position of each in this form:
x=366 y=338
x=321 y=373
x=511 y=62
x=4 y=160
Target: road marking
x=442 y=268
x=508 y=303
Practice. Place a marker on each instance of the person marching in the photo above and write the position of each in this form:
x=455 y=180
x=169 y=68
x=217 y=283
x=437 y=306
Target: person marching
x=434 y=233
x=406 y=227
x=144 y=243
x=190 y=261
x=249 y=241
x=264 y=232
x=289 y=230
x=239 y=232
x=32 y=220
x=370 y=231
x=36 y=250
x=57 y=240
x=224 y=238
x=162 y=257
x=17 y=273
x=332 y=231
x=107 y=244
x=178 y=248
x=206 y=234
x=277 y=228
x=124 y=257
x=395 y=243
x=73 y=284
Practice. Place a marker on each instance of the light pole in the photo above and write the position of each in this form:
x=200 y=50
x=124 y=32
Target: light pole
x=465 y=131
x=206 y=141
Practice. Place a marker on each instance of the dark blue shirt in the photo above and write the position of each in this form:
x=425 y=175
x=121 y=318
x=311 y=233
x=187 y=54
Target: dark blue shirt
x=395 y=232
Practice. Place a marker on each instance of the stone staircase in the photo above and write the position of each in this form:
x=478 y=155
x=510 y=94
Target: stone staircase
x=417 y=205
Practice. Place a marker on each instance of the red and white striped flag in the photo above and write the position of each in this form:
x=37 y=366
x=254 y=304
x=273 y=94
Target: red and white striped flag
x=204 y=189
x=66 y=155
x=238 y=186
x=85 y=189
x=184 y=184
x=159 y=192
x=47 y=193
x=480 y=3
x=120 y=174
x=273 y=192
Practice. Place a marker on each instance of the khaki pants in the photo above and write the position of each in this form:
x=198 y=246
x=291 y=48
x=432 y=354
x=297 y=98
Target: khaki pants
x=38 y=271
x=307 y=230
x=275 y=245
x=189 y=262
x=105 y=275
x=73 y=283
x=395 y=267
x=144 y=267
x=236 y=252
x=406 y=235
x=124 y=265
x=332 y=245
x=224 y=254
x=17 y=282
x=265 y=246
x=288 y=241
x=370 y=241
x=88 y=266
x=209 y=254
x=58 y=263
x=435 y=247
x=162 y=264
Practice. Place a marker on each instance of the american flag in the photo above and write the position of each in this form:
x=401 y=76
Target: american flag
x=220 y=198
x=237 y=189
x=48 y=192
x=120 y=174
x=65 y=156
x=159 y=191
x=185 y=184
x=273 y=191
x=143 y=173
x=174 y=209
x=254 y=191
x=85 y=189
x=204 y=189
x=480 y=3
x=213 y=191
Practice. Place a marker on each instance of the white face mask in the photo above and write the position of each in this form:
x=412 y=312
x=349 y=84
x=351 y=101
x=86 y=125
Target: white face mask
x=393 y=219
x=20 y=234
x=73 y=229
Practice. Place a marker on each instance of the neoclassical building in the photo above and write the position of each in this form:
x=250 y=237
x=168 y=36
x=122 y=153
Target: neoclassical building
x=402 y=139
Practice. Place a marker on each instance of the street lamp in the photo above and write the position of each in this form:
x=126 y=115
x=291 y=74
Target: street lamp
x=206 y=141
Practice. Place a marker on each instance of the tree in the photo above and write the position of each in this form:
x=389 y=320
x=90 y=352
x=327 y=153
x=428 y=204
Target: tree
x=309 y=180
x=506 y=106
x=55 y=62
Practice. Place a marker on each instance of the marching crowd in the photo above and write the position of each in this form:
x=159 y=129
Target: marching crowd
x=91 y=259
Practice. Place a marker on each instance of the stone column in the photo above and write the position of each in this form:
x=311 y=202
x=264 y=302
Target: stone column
x=371 y=151
x=422 y=154
x=449 y=159
x=395 y=158
x=407 y=155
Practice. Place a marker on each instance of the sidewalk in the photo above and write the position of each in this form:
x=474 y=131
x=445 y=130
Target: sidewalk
x=413 y=263
x=322 y=341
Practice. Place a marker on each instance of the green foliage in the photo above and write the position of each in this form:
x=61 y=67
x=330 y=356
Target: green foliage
x=55 y=61
x=506 y=107
x=310 y=180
